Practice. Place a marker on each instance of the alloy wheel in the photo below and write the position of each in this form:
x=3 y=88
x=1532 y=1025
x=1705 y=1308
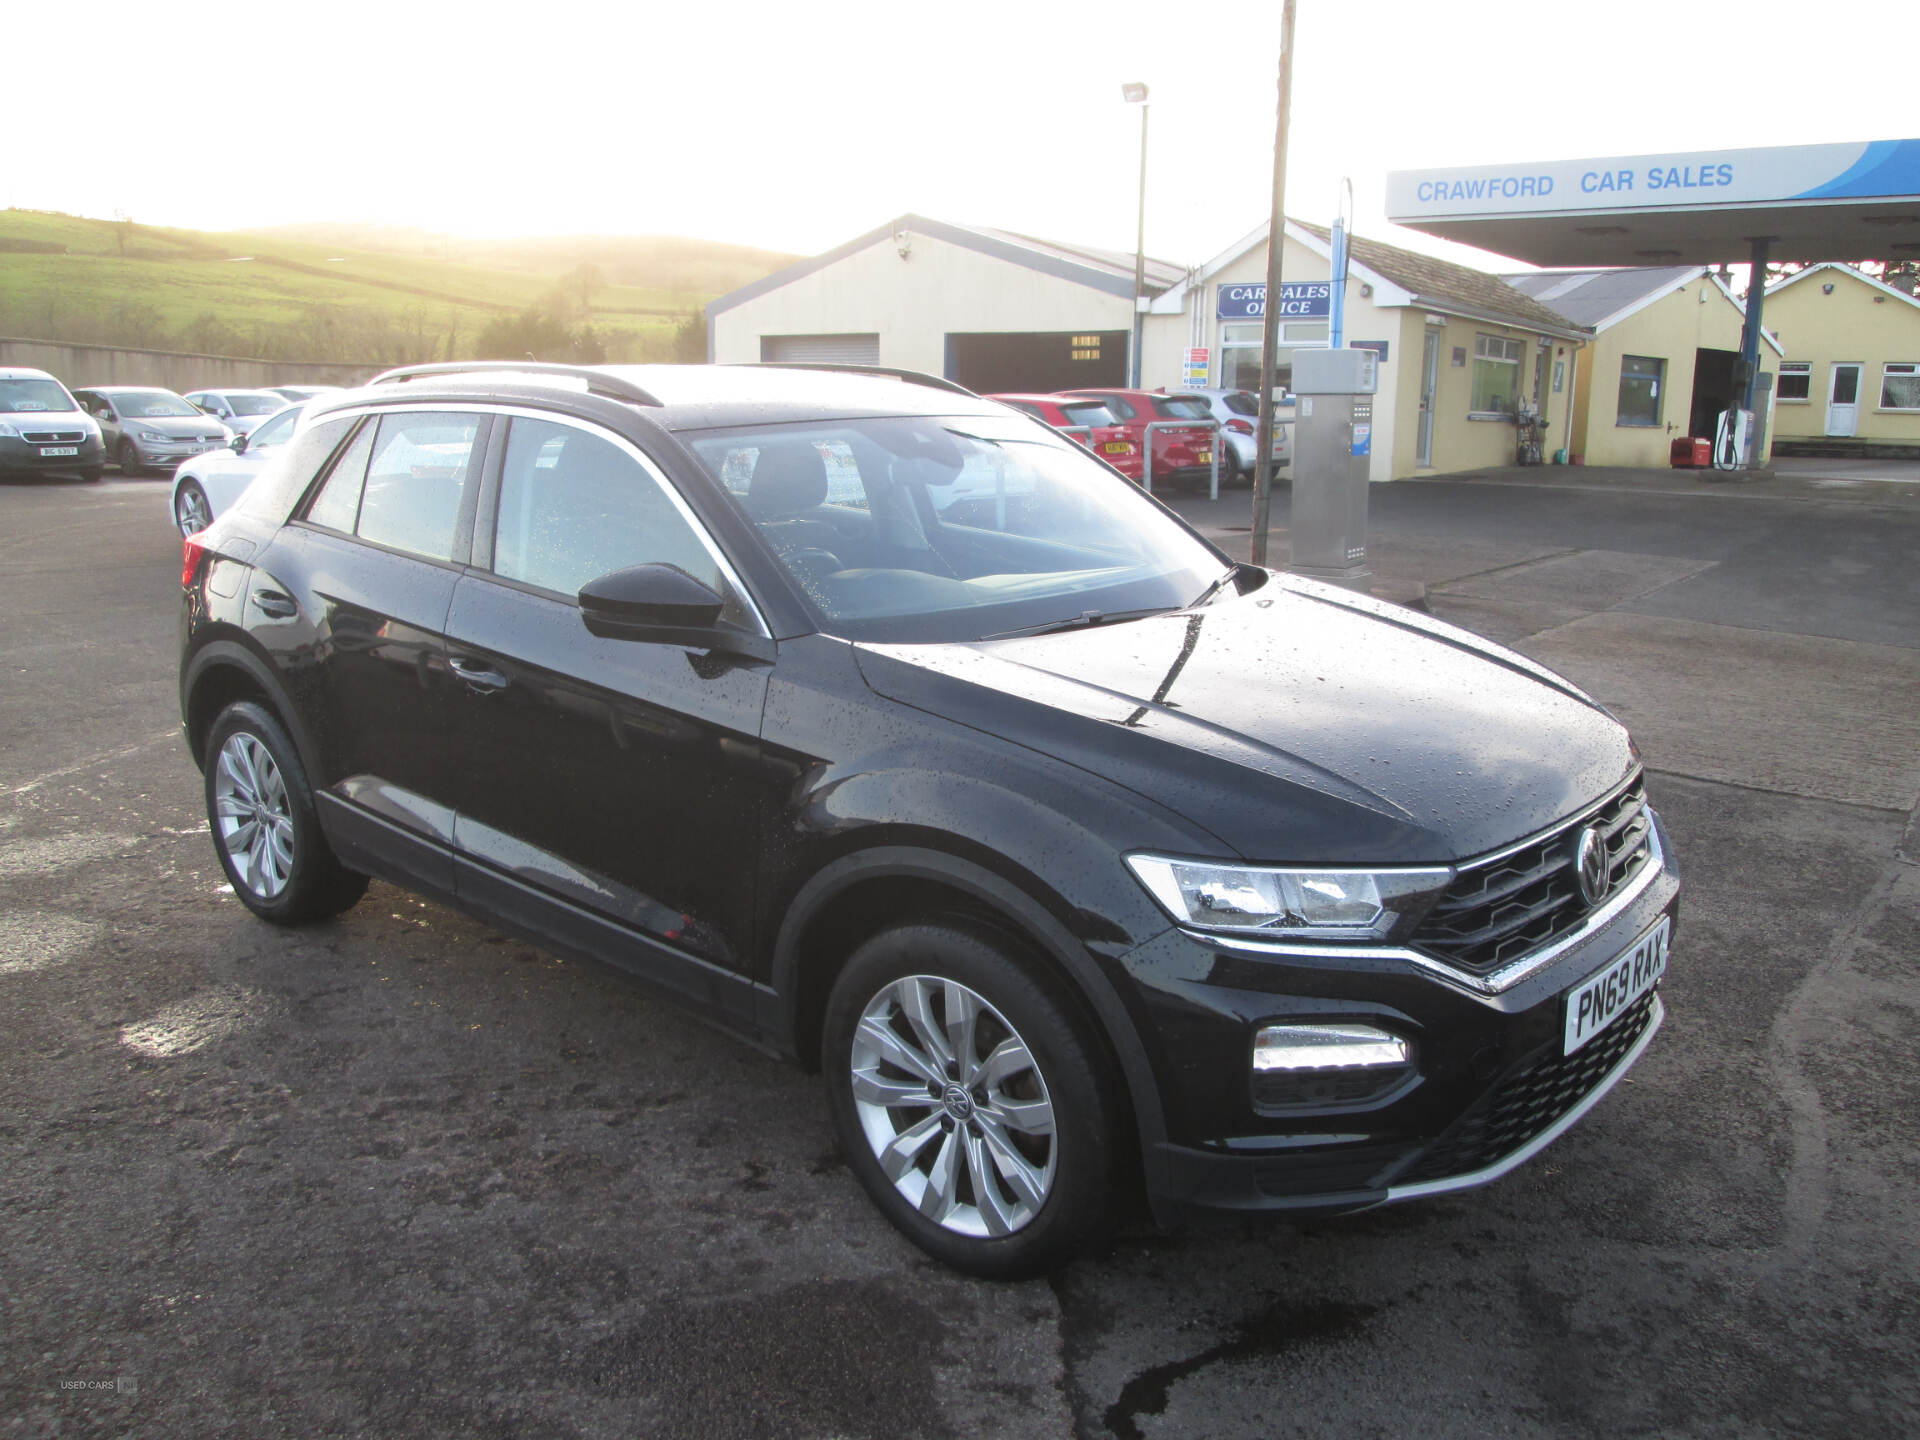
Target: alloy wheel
x=253 y=815
x=954 y=1106
x=191 y=512
x=128 y=458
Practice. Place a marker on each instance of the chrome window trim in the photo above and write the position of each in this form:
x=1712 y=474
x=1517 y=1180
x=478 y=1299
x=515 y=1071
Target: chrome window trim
x=1496 y=982
x=556 y=417
x=1547 y=1136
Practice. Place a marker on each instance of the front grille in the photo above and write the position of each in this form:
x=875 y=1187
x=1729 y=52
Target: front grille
x=53 y=437
x=1498 y=911
x=1528 y=1101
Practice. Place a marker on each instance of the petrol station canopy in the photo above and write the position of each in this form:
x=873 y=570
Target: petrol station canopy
x=1703 y=207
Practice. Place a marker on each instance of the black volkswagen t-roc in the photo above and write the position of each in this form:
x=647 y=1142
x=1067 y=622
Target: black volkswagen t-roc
x=891 y=730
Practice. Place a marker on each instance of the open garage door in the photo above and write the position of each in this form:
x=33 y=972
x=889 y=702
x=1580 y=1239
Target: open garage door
x=1037 y=361
x=822 y=349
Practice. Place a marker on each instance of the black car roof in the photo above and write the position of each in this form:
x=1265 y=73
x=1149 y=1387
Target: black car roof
x=692 y=397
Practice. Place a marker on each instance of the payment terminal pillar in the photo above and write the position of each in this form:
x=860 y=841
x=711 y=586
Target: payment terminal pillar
x=1332 y=447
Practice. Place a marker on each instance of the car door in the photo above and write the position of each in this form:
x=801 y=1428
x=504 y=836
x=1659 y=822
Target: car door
x=610 y=792
x=363 y=577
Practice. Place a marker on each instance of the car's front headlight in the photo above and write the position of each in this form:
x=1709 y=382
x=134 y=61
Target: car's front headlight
x=1297 y=904
x=7 y=432
x=153 y=435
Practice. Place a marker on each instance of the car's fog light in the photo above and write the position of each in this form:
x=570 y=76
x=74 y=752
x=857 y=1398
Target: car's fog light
x=1337 y=1063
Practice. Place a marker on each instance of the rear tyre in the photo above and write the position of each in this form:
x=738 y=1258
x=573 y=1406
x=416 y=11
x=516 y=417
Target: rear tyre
x=265 y=828
x=191 y=512
x=127 y=457
x=968 y=1100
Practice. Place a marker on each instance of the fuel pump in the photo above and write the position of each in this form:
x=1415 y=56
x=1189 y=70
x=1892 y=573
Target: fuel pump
x=1332 y=448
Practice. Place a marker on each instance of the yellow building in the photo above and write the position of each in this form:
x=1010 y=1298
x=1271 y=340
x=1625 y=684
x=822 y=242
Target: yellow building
x=1662 y=362
x=1460 y=350
x=1853 y=380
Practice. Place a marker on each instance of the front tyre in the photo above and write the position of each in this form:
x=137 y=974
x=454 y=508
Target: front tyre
x=967 y=1099
x=265 y=828
x=127 y=457
x=191 y=512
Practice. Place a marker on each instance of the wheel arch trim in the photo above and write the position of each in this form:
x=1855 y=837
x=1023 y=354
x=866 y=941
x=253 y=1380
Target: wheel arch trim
x=779 y=1002
x=228 y=654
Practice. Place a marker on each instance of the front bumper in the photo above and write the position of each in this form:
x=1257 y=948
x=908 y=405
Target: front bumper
x=168 y=453
x=1492 y=1086
x=30 y=455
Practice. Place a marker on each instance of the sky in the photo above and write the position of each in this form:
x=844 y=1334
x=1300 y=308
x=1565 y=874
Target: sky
x=796 y=127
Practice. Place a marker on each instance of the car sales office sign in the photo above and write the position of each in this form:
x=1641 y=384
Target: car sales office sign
x=1299 y=300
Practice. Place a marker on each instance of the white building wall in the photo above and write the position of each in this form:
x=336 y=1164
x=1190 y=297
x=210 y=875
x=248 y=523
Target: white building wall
x=1167 y=340
x=913 y=303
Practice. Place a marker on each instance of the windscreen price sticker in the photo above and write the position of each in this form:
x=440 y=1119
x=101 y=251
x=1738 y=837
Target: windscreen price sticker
x=1599 y=1002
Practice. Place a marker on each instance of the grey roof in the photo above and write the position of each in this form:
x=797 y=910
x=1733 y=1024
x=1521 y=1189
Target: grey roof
x=1445 y=285
x=1105 y=270
x=1589 y=297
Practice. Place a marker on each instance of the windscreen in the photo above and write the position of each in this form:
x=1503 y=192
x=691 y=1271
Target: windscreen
x=151 y=405
x=18 y=397
x=927 y=529
x=256 y=404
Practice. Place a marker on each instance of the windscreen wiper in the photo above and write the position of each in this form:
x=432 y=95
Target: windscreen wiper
x=1233 y=574
x=1085 y=620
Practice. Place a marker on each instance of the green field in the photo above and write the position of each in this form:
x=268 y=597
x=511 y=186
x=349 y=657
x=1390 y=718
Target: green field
x=299 y=294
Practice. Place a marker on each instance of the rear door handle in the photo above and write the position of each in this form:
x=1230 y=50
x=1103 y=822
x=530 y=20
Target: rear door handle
x=478 y=675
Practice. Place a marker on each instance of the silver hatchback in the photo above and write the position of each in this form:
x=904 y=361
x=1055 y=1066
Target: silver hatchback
x=145 y=427
x=1238 y=412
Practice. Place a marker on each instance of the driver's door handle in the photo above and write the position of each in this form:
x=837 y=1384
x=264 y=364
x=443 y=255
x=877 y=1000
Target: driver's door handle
x=478 y=675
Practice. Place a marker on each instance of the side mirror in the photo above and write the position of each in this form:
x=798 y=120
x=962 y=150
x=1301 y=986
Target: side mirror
x=664 y=605
x=238 y=444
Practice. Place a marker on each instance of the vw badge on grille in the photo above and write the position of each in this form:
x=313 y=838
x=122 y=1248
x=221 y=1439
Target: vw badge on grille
x=1592 y=864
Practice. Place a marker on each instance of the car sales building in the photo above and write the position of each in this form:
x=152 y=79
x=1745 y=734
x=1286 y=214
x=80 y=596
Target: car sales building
x=1460 y=349
x=990 y=309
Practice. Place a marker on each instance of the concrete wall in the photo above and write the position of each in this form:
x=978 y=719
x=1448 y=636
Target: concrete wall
x=86 y=365
x=1857 y=322
x=1696 y=315
x=912 y=304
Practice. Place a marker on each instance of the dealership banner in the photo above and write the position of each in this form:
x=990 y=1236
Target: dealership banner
x=1299 y=300
x=1686 y=180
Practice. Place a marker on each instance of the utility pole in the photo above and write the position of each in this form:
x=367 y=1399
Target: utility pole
x=1270 y=319
x=1134 y=93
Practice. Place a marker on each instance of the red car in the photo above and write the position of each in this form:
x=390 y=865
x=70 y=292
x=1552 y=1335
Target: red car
x=1105 y=436
x=1182 y=456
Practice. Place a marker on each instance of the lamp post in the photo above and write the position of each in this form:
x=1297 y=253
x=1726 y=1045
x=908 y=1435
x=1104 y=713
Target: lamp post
x=1135 y=93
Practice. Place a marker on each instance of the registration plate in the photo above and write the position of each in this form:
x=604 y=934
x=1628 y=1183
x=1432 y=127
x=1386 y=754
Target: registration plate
x=49 y=452
x=1116 y=447
x=1206 y=457
x=1593 y=1006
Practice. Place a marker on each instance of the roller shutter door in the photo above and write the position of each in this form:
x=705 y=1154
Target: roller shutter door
x=822 y=349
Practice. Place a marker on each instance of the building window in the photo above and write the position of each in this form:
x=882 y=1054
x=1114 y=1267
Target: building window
x=1496 y=374
x=1640 y=377
x=1796 y=381
x=1240 y=353
x=1900 y=387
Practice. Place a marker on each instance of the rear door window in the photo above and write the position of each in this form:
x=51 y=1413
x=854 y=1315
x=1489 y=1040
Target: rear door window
x=415 y=477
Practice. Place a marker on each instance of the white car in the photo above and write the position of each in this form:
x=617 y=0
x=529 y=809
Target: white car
x=208 y=484
x=241 y=411
x=1238 y=412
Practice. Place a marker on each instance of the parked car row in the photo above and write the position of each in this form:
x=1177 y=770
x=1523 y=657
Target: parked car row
x=1113 y=424
x=215 y=441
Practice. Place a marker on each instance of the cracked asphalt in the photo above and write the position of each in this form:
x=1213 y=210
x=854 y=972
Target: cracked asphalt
x=402 y=1175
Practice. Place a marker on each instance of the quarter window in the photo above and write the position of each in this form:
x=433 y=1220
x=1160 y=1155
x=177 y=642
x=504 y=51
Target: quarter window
x=1900 y=387
x=574 y=506
x=337 y=505
x=1796 y=381
x=412 y=496
x=1641 y=381
x=1496 y=374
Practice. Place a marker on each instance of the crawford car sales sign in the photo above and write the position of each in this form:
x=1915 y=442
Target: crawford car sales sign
x=1299 y=300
